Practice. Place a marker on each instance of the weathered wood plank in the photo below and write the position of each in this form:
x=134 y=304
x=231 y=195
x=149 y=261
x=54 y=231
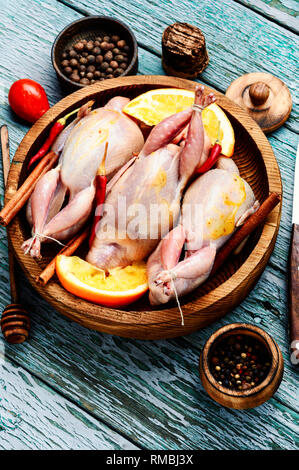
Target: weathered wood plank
x=33 y=416
x=233 y=48
x=149 y=391
x=283 y=12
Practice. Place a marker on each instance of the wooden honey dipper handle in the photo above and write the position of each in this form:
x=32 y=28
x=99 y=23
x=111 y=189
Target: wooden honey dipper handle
x=15 y=322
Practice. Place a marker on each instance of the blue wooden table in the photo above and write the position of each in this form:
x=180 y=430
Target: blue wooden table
x=71 y=388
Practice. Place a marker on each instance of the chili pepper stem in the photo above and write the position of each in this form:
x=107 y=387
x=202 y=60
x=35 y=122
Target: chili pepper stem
x=63 y=120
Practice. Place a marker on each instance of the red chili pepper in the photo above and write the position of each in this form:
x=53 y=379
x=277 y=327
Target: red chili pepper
x=100 y=183
x=213 y=156
x=212 y=159
x=54 y=132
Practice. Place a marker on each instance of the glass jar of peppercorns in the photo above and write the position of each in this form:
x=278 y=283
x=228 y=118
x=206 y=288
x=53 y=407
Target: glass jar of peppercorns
x=241 y=366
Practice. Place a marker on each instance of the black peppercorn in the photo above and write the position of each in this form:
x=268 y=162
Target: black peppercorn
x=75 y=77
x=121 y=44
x=91 y=68
x=104 y=46
x=73 y=53
x=68 y=70
x=91 y=59
x=96 y=51
x=74 y=63
x=104 y=66
x=99 y=59
x=113 y=64
x=108 y=56
x=65 y=63
x=79 y=46
x=118 y=72
x=89 y=46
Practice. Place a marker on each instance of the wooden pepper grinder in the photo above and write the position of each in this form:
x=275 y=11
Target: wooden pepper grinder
x=265 y=97
x=15 y=321
x=184 y=52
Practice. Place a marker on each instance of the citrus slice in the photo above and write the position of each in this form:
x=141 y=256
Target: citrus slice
x=121 y=286
x=155 y=105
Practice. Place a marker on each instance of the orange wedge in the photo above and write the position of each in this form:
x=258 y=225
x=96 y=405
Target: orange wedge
x=155 y=105
x=121 y=286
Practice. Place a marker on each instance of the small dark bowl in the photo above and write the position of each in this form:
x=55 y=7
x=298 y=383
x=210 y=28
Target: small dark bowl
x=251 y=397
x=89 y=28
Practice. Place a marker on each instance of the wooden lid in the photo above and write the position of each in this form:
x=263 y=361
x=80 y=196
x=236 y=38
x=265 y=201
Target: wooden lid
x=265 y=97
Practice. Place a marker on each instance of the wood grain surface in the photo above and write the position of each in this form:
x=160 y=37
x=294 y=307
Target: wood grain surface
x=33 y=416
x=226 y=289
x=283 y=12
x=148 y=392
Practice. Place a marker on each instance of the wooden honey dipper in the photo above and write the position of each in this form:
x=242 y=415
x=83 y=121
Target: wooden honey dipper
x=15 y=321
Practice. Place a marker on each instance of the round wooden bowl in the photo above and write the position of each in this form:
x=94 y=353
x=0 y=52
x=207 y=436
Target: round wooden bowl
x=222 y=292
x=89 y=28
x=254 y=396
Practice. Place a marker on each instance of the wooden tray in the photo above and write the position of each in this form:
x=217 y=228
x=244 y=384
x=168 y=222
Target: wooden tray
x=212 y=300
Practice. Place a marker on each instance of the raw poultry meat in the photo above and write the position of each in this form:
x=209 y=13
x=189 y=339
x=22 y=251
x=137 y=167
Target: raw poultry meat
x=213 y=206
x=144 y=201
x=82 y=146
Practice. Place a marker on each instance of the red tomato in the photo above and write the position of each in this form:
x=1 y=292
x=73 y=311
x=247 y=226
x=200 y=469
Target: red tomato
x=28 y=99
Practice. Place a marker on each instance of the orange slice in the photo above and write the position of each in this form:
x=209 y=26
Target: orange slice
x=121 y=286
x=155 y=105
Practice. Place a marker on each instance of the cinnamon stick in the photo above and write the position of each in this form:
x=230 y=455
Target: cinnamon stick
x=24 y=192
x=68 y=250
x=246 y=229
